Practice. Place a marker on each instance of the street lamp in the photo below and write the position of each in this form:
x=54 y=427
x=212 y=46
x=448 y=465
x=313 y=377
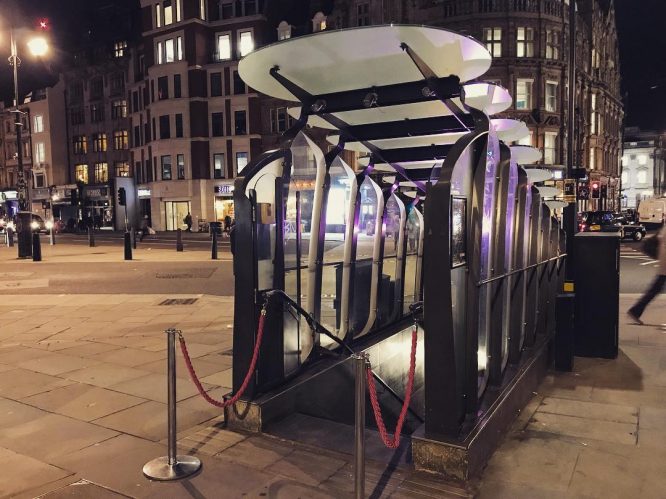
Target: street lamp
x=38 y=47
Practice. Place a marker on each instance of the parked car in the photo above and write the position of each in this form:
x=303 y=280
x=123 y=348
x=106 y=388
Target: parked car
x=652 y=211
x=607 y=221
x=36 y=222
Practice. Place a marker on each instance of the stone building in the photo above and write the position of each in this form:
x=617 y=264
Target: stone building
x=529 y=43
x=643 y=166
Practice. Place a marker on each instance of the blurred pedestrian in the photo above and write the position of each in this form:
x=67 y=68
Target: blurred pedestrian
x=188 y=222
x=144 y=227
x=657 y=285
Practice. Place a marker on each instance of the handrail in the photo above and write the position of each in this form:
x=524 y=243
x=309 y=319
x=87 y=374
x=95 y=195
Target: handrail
x=516 y=271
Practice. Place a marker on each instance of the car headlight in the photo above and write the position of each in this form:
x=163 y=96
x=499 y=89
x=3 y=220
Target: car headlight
x=34 y=225
x=49 y=224
x=10 y=225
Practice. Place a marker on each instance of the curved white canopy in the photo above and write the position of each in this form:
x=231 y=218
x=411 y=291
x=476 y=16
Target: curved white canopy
x=538 y=175
x=487 y=97
x=525 y=155
x=335 y=61
x=548 y=192
x=555 y=204
x=510 y=130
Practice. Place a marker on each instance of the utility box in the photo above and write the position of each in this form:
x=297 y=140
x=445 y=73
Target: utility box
x=597 y=264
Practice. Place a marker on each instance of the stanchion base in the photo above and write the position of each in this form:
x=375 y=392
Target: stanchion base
x=160 y=469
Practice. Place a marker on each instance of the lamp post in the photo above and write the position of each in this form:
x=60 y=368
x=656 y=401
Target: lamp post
x=37 y=46
x=569 y=214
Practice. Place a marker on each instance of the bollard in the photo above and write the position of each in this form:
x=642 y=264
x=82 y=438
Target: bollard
x=133 y=237
x=360 y=362
x=36 y=247
x=10 y=237
x=52 y=236
x=214 y=246
x=172 y=466
x=91 y=237
x=128 y=246
x=179 y=240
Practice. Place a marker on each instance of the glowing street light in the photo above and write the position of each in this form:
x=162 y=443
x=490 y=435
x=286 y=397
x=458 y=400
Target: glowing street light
x=38 y=46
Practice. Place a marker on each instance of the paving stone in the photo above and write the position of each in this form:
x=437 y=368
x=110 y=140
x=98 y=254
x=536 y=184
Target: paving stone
x=223 y=378
x=549 y=462
x=494 y=489
x=83 y=402
x=307 y=467
x=284 y=488
x=589 y=410
x=57 y=363
x=104 y=375
x=256 y=452
x=602 y=474
x=583 y=428
x=211 y=441
x=52 y=435
x=203 y=368
x=82 y=490
x=17 y=356
x=90 y=348
x=154 y=387
x=20 y=383
x=25 y=472
x=13 y=413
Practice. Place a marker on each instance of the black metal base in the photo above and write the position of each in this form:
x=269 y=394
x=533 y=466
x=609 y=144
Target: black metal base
x=465 y=457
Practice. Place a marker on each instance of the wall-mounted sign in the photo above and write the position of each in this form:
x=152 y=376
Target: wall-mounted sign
x=570 y=190
x=143 y=193
x=224 y=190
x=10 y=195
x=96 y=192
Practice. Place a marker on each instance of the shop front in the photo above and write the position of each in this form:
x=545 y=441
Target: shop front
x=10 y=205
x=145 y=211
x=64 y=205
x=176 y=211
x=224 y=201
x=98 y=206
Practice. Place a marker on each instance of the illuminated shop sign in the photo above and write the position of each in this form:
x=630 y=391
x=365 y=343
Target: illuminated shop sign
x=144 y=193
x=224 y=190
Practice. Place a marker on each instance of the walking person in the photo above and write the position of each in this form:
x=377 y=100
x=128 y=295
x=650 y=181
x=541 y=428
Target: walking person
x=144 y=227
x=188 y=222
x=657 y=285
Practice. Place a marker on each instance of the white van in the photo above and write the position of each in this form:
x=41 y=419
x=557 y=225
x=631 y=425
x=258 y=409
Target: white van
x=652 y=211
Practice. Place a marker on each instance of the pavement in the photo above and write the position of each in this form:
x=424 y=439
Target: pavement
x=83 y=392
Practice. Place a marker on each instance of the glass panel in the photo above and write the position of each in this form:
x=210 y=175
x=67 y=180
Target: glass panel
x=390 y=283
x=508 y=257
x=336 y=245
x=413 y=229
x=360 y=310
x=526 y=257
x=486 y=255
x=299 y=264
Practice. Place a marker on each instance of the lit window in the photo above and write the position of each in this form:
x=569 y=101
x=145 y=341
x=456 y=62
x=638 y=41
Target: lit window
x=99 y=142
x=594 y=115
x=120 y=140
x=552 y=44
x=81 y=172
x=551 y=96
x=158 y=16
x=642 y=159
x=593 y=158
x=40 y=153
x=101 y=172
x=180 y=163
x=625 y=160
x=121 y=168
x=120 y=49
x=246 y=43
x=40 y=180
x=202 y=9
x=241 y=161
x=549 y=145
x=284 y=30
x=218 y=165
x=525 y=42
x=169 y=50
x=179 y=48
x=279 y=120
x=80 y=144
x=625 y=177
x=166 y=167
x=119 y=109
x=38 y=123
x=493 y=39
x=160 y=50
x=523 y=94
x=526 y=141
x=168 y=12
x=223 y=47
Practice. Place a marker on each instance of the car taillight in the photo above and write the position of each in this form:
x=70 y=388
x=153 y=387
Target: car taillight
x=582 y=227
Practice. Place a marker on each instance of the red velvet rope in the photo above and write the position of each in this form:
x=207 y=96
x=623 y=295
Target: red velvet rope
x=372 y=390
x=248 y=376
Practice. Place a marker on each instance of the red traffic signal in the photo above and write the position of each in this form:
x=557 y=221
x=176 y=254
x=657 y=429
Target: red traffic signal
x=43 y=24
x=595 y=190
x=595 y=185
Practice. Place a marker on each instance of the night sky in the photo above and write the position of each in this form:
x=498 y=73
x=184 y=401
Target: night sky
x=640 y=25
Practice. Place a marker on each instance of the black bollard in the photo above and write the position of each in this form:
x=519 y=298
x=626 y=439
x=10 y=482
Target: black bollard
x=52 y=236
x=10 y=237
x=91 y=237
x=179 y=240
x=36 y=247
x=128 y=246
x=214 y=246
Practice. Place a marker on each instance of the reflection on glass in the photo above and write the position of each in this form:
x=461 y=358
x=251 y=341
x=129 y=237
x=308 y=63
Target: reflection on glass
x=458 y=231
x=335 y=243
x=508 y=257
x=486 y=254
x=360 y=309
x=391 y=279
x=413 y=231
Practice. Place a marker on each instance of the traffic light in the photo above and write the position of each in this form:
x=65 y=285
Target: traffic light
x=595 y=190
x=122 y=197
x=583 y=191
x=604 y=191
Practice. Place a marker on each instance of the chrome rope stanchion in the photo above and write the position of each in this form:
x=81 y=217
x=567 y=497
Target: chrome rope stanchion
x=173 y=466
x=360 y=362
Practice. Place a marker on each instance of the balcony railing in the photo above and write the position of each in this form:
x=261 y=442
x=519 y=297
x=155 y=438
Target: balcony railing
x=453 y=8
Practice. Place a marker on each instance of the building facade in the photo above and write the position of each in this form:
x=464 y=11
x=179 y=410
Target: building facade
x=643 y=166
x=528 y=40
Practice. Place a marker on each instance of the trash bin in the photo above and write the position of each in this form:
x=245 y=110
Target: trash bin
x=597 y=289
